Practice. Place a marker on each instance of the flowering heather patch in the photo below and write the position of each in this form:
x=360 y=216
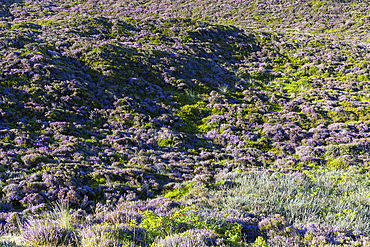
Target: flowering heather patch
x=189 y=238
x=132 y=111
x=41 y=232
x=112 y=235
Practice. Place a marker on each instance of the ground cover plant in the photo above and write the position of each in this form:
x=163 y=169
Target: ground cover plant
x=184 y=123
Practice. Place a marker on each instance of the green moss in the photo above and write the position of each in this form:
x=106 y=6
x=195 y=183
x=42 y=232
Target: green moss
x=206 y=127
x=166 y=142
x=260 y=242
x=337 y=164
x=262 y=145
x=178 y=193
x=9 y=83
x=344 y=116
x=192 y=116
x=300 y=85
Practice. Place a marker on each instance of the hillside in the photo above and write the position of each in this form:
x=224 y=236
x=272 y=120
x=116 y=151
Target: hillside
x=142 y=123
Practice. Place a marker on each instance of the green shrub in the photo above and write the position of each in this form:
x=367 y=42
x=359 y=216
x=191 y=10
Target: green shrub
x=189 y=218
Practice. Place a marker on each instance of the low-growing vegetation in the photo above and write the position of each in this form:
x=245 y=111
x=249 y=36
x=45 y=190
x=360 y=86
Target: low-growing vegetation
x=184 y=123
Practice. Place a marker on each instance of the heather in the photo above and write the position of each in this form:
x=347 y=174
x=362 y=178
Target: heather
x=184 y=123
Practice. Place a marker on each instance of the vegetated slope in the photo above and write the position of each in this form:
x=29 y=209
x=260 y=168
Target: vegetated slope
x=105 y=102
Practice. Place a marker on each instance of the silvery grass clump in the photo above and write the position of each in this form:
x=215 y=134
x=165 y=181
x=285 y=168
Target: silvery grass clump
x=224 y=88
x=190 y=238
x=61 y=214
x=332 y=197
x=109 y=235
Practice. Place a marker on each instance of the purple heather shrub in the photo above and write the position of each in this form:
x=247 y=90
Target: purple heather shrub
x=275 y=132
x=317 y=234
x=32 y=199
x=44 y=232
x=303 y=151
x=194 y=237
x=35 y=210
x=79 y=216
x=13 y=193
x=287 y=161
x=13 y=222
x=112 y=235
x=80 y=98
x=278 y=232
x=288 y=148
x=122 y=215
x=250 y=229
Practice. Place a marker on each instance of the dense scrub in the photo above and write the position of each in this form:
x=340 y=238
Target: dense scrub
x=234 y=122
